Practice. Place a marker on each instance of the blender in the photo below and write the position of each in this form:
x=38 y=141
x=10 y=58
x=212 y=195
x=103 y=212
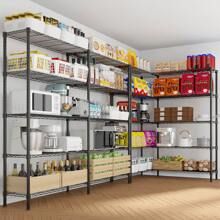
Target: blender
x=51 y=138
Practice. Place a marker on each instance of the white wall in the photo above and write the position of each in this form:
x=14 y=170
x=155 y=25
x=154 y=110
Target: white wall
x=16 y=6
x=200 y=105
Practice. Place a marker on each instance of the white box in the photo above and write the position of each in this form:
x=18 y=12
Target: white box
x=52 y=31
x=70 y=143
x=22 y=23
x=68 y=37
x=82 y=42
x=79 y=72
x=96 y=45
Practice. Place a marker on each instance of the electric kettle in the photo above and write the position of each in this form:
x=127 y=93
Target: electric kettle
x=185 y=139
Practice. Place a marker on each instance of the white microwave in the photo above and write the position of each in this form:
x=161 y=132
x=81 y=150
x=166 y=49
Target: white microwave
x=40 y=102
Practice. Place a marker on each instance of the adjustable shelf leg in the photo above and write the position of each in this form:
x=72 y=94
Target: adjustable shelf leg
x=216 y=124
x=88 y=123
x=4 y=119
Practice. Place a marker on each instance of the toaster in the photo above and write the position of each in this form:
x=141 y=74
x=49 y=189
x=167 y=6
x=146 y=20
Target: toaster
x=70 y=143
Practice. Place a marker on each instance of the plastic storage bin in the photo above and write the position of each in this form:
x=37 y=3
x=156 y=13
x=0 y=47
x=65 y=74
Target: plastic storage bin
x=38 y=62
x=22 y=23
x=61 y=67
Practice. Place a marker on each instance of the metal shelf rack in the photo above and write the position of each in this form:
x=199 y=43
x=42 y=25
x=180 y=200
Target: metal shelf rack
x=213 y=133
x=30 y=37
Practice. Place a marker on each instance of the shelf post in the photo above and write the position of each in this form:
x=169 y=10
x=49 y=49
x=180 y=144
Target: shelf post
x=111 y=101
x=4 y=119
x=142 y=150
x=211 y=121
x=88 y=123
x=129 y=121
x=216 y=124
x=28 y=196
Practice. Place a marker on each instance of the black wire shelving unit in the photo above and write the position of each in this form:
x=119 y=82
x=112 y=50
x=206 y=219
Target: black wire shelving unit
x=31 y=37
x=213 y=132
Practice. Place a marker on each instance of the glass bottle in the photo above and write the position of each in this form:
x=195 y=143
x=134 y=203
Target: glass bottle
x=73 y=165
x=61 y=166
x=31 y=171
x=45 y=171
x=67 y=166
x=22 y=171
x=37 y=171
x=79 y=166
x=49 y=167
x=15 y=170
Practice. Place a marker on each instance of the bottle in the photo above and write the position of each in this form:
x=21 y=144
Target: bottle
x=61 y=166
x=54 y=166
x=37 y=171
x=31 y=171
x=67 y=166
x=73 y=165
x=22 y=171
x=45 y=171
x=49 y=167
x=79 y=166
x=15 y=170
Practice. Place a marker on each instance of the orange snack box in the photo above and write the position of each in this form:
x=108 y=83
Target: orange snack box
x=173 y=86
x=159 y=87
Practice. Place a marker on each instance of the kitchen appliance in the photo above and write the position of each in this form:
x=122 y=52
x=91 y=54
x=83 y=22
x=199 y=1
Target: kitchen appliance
x=123 y=106
x=67 y=103
x=70 y=143
x=61 y=89
x=51 y=138
x=104 y=139
x=203 y=142
x=143 y=112
x=40 y=102
x=166 y=137
x=185 y=139
x=36 y=138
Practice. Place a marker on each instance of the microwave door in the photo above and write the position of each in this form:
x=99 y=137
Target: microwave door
x=37 y=103
x=47 y=103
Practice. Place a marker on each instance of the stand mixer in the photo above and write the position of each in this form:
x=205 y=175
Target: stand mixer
x=51 y=138
x=143 y=111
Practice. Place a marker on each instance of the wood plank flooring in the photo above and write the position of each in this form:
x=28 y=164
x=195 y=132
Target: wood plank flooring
x=146 y=198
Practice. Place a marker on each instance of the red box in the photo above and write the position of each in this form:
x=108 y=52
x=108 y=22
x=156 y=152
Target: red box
x=202 y=83
x=210 y=62
x=187 y=84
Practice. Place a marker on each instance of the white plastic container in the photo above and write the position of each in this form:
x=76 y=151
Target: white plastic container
x=142 y=164
x=38 y=63
x=22 y=23
x=68 y=37
x=52 y=31
x=61 y=68
x=135 y=165
x=123 y=115
x=82 y=42
x=79 y=72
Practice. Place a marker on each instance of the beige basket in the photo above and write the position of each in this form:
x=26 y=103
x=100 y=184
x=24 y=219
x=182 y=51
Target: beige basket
x=38 y=63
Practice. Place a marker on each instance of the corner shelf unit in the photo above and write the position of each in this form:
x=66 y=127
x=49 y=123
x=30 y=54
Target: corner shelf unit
x=30 y=37
x=213 y=132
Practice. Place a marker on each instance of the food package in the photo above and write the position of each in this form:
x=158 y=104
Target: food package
x=172 y=87
x=202 y=83
x=97 y=45
x=150 y=138
x=205 y=165
x=190 y=165
x=122 y=54
x=140 y=87
x=110 y=51
x=132 y=58
x=159 y=87
x=39 y=62
x=187 y=84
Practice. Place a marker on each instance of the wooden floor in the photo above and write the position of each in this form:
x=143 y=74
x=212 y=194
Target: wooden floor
x=146 y=198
